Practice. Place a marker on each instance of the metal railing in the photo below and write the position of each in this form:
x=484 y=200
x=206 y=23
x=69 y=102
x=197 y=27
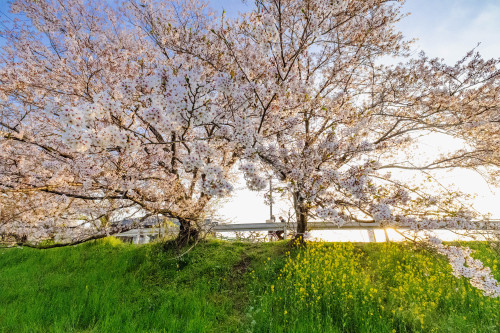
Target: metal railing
x=143 y=235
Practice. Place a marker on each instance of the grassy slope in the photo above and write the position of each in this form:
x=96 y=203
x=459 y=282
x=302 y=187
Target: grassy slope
x=108 y=286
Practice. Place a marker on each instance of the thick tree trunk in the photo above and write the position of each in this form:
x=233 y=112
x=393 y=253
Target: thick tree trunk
x=301 y=213
x=187 y=233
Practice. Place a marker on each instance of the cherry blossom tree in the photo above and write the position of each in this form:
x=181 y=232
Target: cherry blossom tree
x=94 y=111
x=329 y=118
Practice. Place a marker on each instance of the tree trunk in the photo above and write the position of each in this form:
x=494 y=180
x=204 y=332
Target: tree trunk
x=187 y=233
x=301 y=213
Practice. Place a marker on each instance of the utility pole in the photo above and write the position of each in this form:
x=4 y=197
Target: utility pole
x=271 y=199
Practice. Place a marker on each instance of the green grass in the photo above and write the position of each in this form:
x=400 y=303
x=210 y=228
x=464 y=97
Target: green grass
x=108 y=286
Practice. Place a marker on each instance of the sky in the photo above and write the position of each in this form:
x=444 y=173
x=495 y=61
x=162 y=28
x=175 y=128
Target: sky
x=446 y=29
x=4 y=9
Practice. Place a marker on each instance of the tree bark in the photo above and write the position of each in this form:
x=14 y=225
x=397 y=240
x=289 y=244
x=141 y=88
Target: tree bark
x=301 y=213
x=187 y=233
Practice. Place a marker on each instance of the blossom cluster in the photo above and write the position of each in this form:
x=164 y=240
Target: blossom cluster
x=252 y=177
x=381 y=212
x=213 y=183
x=331 y=215
x=266 y=31
x=464 y=265
x=461 y=222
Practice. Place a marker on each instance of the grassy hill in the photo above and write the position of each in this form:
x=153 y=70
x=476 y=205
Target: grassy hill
x=218 y=286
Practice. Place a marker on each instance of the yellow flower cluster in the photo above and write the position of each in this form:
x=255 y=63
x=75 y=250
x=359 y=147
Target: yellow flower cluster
x=326 y=278
x=374 y=288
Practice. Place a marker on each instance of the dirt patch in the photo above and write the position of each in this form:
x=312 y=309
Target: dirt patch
x=242 y=266
x=238 y=285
